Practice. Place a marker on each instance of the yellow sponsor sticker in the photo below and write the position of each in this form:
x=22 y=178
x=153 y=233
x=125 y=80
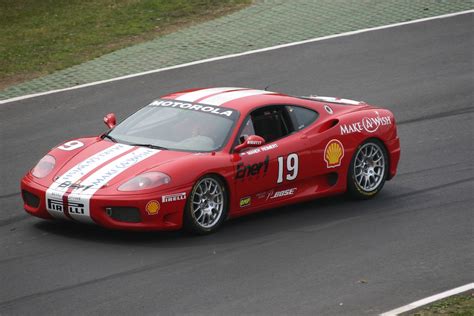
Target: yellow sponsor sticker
x=333 y=153
x=153 y=207
x=245 y=201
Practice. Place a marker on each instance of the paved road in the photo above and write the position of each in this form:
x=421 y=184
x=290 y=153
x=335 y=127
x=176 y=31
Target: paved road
x=326 y=257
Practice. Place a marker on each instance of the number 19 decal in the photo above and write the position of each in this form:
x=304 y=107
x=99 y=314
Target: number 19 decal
x=291 y=167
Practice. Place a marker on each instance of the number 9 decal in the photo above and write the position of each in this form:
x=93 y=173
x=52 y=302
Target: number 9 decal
x=73 y=144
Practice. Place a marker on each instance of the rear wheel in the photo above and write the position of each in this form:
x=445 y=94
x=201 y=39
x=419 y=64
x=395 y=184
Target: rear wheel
x=207 y=205
x=368 y=170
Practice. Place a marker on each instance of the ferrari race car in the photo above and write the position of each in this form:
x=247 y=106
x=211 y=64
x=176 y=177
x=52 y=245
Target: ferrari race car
x=194 y=158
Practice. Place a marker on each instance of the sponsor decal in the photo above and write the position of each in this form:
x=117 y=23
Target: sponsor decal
x=72 y=177
x=263 y=195
x=76 y=185
x=75 y=208
x=260 y=149
x=282 y=193
x=333 y=153
x=254 y=142
x=107 y=173
x=152 y=207
x=368 y=124
x=58 y=206
x=55 y=205
x=328 y=109
x=101 y=177
x=84 y=167
x=245 y=201
x=193 y=106
x=73 y=144
x=173 y=197
x=244 y=171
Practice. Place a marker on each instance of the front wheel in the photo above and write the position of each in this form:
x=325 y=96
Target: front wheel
x=368 y=170
x=207 y=205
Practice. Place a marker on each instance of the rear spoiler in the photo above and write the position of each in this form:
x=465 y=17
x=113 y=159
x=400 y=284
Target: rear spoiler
x=333 y=100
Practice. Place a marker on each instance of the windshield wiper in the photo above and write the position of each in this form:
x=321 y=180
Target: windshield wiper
x=150 y=146
x=109 y=137
x=143 y=145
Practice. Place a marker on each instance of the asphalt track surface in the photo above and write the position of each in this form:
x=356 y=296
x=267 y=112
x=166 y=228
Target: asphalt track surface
x=325 y=257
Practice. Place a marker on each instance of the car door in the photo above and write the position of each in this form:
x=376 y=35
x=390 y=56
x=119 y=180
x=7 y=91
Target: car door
x=272 y=172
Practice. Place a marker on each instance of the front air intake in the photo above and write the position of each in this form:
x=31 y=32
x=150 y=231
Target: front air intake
x=124 y=214
x=30 y=199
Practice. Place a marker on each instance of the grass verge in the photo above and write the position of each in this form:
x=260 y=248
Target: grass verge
x=457 y=305
x=38 y=37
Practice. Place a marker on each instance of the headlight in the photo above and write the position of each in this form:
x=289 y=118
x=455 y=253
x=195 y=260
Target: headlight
x=44 y=167
x=147 y=180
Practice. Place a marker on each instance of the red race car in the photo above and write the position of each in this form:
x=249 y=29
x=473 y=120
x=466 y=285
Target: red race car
x=194 y=158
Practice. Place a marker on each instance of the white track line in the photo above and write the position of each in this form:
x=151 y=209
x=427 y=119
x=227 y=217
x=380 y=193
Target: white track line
x=317 y=39
x=429 y=300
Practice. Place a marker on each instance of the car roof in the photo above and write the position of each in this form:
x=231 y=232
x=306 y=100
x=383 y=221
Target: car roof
x=245 y=100
x=241 y=99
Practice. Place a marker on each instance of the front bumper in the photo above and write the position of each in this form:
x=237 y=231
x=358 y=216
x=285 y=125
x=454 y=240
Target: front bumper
x=168 y=217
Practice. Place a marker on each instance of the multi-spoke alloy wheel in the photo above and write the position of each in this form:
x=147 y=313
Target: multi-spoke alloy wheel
x=368 y=169
x=207 y=205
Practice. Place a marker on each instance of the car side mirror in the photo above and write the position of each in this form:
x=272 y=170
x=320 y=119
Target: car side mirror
x=251 y=141
x=110 y=120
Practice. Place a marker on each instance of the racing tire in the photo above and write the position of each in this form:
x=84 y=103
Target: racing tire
x=368 y=170
x=207 y=206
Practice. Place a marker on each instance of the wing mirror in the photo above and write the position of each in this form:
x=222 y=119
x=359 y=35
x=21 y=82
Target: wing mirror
x=250 y=141
x=110 y=120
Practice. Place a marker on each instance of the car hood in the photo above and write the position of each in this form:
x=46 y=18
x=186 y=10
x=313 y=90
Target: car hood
x=102 y=163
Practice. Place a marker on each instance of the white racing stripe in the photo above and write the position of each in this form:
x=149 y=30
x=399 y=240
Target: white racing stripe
x=55 y=192
x=79 y=199
x=199 y=94
x=224 y=97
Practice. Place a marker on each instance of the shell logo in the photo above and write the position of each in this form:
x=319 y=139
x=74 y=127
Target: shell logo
x=152 y=207
x=333 y=153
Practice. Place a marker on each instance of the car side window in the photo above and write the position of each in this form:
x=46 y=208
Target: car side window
x=247 y=130
x=301 y=117
x=270 y=122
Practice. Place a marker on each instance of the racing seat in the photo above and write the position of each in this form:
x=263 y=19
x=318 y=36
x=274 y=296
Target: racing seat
x=269 y=125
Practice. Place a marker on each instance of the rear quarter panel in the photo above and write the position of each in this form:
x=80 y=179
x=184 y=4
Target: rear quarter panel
x=356 y=127
x=350 y=126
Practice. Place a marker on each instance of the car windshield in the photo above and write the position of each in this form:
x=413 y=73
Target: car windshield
x=177 y=125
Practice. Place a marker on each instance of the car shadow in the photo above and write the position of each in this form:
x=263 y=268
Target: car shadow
x=294 y=217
